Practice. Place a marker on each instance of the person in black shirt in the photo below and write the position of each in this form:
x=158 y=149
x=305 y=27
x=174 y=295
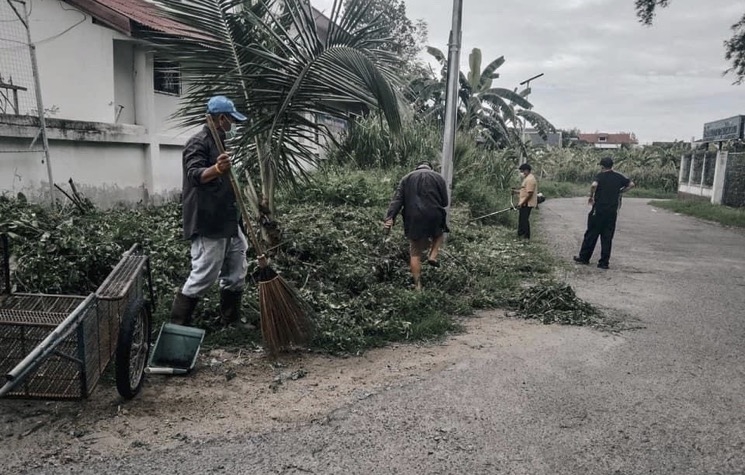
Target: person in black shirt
x=218 y=246
x=423 y=196
x=605 y=199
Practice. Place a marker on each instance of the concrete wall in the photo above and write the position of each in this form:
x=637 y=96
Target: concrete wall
x=109 y=163
x=696 y=190
x=734 y=180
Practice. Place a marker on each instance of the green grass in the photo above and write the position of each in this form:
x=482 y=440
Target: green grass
x=562 y=189
x=716 y=213
x=651 y=193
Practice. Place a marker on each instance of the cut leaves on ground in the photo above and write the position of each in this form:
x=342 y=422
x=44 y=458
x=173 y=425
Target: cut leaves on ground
x=333 y=252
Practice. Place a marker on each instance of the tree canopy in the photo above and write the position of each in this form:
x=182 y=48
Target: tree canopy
x=404 y=37
x=734 y=48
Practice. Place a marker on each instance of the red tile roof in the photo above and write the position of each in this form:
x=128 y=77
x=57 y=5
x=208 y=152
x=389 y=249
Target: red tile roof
x=126 y=15
x=621 y=138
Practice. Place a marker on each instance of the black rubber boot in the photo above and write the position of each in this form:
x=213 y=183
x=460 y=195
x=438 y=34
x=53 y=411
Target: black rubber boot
x=182 y=310
x=230 y=307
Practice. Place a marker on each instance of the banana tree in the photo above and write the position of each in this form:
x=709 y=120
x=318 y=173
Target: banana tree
x=283 y=64
x=495 y=111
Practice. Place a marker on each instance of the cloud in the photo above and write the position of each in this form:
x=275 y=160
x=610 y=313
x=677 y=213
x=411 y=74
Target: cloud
x=580 y=4
x=603 y=69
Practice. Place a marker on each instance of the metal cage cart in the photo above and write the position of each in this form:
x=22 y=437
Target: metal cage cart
x=58 y=346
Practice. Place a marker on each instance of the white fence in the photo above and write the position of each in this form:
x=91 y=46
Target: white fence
x=716 y=175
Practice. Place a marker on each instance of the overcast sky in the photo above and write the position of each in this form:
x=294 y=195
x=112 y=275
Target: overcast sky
x=604 y=71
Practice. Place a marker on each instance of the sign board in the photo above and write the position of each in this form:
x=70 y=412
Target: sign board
x=725 y=129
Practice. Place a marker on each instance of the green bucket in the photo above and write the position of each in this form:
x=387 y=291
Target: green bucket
x=176 y=350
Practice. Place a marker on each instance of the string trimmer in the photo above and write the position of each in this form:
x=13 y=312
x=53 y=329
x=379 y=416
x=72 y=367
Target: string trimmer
x=512 y=207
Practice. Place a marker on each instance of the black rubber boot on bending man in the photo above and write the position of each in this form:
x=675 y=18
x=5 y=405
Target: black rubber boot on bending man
x=230 y=307
x=182 y=310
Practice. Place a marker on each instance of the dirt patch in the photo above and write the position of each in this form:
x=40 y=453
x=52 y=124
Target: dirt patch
x=231 y=393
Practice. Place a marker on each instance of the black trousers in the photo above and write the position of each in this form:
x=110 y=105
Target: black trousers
x=523 y=222
x=602 y=225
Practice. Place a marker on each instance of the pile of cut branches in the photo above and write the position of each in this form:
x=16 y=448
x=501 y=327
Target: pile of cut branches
x=555 y=303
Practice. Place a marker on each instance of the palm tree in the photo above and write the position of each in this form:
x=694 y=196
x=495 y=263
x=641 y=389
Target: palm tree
x=495 y=111
x=272 y=59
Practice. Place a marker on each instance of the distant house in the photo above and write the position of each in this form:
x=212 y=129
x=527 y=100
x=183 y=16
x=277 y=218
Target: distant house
x=108 y=100
x=604 y=140
x=553 y=139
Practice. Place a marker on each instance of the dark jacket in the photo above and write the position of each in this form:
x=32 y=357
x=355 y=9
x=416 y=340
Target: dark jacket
x=608 y=192
x=423 y=196
x=210 y=209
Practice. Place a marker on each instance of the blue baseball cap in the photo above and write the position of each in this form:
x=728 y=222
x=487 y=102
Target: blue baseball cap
x=223 y=105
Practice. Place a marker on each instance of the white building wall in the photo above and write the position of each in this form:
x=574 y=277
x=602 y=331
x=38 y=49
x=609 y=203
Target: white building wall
x=87 y=72
x=100 y=83
x=124 y=83
x=167 y=175
x=75 y=60
x=168 y=130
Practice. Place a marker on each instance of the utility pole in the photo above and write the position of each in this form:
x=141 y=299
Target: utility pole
x=39 y=103
x=526 y=83
x=451 y=100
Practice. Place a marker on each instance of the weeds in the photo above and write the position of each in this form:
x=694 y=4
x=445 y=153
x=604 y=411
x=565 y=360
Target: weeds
x=703 y=210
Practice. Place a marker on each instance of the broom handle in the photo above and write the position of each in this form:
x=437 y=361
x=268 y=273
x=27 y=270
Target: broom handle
x=236 y=190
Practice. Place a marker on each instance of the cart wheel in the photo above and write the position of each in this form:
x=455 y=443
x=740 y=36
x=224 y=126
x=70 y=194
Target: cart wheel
x=132 y=348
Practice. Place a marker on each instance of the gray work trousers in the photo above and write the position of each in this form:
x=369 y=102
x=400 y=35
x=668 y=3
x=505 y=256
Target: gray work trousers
x=213 y=259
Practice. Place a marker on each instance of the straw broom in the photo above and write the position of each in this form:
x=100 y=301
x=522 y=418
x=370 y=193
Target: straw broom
x=284 y=320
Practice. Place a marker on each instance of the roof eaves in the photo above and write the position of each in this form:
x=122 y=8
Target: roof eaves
x=104 y=15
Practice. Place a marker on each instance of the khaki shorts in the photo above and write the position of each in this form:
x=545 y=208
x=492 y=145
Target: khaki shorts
x=418 y=246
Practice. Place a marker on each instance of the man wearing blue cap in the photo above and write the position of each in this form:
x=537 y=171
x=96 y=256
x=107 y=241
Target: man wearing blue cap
x=218 y=246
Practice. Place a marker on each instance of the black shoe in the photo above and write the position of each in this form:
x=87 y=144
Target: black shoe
x=433 y=263
x=603 y=266
x=579 y=260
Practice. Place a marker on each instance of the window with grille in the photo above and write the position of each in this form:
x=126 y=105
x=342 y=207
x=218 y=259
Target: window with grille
x=167 y=78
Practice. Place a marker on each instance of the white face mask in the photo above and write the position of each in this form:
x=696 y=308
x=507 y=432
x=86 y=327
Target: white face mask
x=231 y=133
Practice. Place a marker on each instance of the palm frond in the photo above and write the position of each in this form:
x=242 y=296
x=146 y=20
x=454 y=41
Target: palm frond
x=269 y=58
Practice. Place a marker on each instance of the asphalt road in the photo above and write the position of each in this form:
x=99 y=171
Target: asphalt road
x=665 y=398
